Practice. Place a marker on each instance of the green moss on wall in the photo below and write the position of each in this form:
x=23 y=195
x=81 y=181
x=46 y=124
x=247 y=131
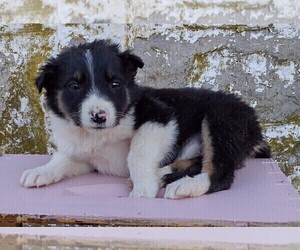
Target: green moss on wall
x=38 y=8
x=285 y=149
x=288 y=145
x=233 y=28
x=22 y=124
x=293 y=119
x=199 y=64
x=228 y=88
x=296 y=183
x=194 y=27
x=72 y=1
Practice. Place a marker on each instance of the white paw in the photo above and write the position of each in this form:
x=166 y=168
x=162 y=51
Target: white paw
x=188 y=187
x=147 y=191
x=162 y=172
x=38 y=177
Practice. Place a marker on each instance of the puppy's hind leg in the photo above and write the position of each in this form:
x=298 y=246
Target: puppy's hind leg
x=188 y=187
x=211 y=173
x=180 y=169
x=184 y=178
x=220 y=155
x=202 y=167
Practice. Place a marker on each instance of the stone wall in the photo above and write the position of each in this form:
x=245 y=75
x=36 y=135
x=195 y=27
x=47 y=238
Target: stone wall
x=261 y=12
x=254 y=59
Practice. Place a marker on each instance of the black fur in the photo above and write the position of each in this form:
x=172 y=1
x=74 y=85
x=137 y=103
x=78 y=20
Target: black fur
x=194 y=168
x=57 y=75
x=233 y=125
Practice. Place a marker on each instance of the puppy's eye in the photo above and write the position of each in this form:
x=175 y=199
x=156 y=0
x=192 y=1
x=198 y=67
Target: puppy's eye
x=116 y=84
x=74 y=86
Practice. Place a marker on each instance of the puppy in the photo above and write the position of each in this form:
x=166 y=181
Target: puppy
x=189 y=140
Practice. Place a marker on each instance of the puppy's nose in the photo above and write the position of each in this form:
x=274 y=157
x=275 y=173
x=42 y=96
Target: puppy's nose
x=98 y=117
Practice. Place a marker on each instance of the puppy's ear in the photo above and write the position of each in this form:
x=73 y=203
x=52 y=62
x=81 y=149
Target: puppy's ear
x=46 y=76
x=131 y=62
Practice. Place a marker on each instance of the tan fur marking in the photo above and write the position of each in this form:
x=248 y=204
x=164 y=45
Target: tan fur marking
x=181 y=164
x=59 y=102
x=77 y=75
x=208 y=150
x=128 y=96
x=109 y=74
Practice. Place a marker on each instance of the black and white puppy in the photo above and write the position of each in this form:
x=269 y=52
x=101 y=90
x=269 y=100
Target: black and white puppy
x=189 y=140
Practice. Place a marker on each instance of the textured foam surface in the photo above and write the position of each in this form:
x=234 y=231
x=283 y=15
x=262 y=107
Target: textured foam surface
x=260 y=194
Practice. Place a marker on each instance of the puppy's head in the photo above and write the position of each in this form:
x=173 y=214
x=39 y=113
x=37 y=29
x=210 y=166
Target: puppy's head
x=91 y=85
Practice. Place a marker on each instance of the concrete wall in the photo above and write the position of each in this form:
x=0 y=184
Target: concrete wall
x=260 y=12
x=254 y=59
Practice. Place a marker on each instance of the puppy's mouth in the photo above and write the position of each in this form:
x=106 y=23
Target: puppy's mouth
x=101 y=127
x=88 y=126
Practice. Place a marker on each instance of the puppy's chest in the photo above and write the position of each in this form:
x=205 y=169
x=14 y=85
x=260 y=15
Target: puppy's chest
x=108 y=159
x=108 y=156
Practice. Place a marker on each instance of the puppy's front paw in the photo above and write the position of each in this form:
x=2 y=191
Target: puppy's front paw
x=38 y=177
x=147 y=191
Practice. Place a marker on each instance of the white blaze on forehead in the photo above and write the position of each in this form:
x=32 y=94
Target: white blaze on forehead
x=93 y=104
x=90 y=66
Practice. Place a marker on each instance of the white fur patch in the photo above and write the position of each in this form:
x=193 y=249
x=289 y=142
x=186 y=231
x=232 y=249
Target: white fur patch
x=79 y=151
x=188 y=187
x=58 y=168
x=90 y=66
x=105 y=149
x=150 y=145
x=163 y=172
x=192 y=148
x=93 y=104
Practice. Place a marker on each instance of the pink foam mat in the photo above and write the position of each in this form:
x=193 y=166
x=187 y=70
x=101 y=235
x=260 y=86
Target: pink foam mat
x=260 y=194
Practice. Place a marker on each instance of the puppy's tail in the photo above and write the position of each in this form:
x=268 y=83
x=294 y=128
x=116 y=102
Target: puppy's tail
x=261 y=150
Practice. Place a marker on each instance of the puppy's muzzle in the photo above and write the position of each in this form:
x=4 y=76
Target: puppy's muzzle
x=98 y=117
